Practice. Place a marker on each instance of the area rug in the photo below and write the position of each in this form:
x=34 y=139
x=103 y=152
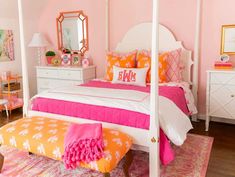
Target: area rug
x=191 y=161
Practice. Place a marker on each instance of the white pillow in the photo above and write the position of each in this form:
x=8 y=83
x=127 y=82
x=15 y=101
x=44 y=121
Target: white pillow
x=130 y=76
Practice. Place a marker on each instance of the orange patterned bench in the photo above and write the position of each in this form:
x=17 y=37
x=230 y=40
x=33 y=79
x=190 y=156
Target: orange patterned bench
x=45 y=136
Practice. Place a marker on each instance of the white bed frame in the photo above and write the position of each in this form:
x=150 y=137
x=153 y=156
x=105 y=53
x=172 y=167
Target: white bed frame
x=143 y=138
x=133 y=40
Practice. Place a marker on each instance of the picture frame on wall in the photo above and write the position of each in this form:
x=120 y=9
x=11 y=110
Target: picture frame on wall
x=6 y=45
x=228 y=40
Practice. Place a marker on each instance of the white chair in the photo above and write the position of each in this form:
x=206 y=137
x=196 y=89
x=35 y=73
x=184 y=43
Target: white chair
x=4 y=102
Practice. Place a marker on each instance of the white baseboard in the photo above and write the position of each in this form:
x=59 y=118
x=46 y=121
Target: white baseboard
x=201 y=116
x=216 y=119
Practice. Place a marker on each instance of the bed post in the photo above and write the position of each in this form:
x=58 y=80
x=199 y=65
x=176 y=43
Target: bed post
x=107 y=25
x=23 y=60
x=154 y=123
x=196 y=55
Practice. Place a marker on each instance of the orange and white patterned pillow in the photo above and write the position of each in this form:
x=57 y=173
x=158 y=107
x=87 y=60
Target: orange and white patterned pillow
x=144 y=60
x=130 y=76
x=127 y=60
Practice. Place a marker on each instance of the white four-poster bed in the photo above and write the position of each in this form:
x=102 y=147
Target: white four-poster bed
x=155 y=37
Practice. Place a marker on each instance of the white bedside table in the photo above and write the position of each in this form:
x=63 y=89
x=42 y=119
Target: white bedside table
x=4 y=102
x=220 y=95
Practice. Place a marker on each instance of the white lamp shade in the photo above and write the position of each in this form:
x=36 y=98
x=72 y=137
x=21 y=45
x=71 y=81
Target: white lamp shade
x=38 y=40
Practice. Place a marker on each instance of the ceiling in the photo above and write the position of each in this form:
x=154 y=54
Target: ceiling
x=8 y=9
x=31 y=8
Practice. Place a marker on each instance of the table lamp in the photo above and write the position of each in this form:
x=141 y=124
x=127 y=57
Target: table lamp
x=38 y=41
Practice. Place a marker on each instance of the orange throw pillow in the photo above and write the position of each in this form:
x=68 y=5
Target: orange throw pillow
x=144 y=61
x=120 y=60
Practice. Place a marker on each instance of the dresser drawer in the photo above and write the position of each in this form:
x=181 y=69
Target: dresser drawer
x=222 y=101
x=52 y=83
x=70 y=75
x=63 y=83
x=47 y=83
x=44 y=84
x=47 y=73
x=42 y=89
x=222 y=78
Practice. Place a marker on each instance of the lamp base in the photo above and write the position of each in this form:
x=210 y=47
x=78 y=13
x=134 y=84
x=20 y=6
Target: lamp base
x=39 y=56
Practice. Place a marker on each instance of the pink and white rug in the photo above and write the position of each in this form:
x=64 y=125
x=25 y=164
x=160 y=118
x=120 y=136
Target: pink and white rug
x=191 y=161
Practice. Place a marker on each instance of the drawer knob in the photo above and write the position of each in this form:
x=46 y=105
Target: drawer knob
x=232 y=96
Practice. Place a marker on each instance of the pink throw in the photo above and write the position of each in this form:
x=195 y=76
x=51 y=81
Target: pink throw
x=83 y=143
x=167 y=154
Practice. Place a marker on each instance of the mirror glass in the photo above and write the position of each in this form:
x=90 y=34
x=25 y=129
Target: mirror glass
x=72 y=29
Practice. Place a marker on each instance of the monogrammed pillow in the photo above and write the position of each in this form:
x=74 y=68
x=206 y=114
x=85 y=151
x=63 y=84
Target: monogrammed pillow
x=130 y=76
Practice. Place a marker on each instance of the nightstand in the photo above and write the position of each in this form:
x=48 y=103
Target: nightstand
x=50 y=77
x=220 y=95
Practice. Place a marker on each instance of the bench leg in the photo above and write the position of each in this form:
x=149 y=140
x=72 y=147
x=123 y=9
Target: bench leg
x=127 y=163
x=1 y=162
x=106 y=174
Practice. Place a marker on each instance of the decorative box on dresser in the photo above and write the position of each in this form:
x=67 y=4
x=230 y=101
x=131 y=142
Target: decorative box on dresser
x=50 y=77
x=220 y=95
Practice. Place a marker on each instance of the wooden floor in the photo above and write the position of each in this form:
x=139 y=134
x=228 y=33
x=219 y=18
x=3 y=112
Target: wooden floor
x=16 y=114
x=222 y=160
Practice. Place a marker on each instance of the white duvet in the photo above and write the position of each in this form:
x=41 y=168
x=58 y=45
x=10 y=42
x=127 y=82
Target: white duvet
x=173 y=121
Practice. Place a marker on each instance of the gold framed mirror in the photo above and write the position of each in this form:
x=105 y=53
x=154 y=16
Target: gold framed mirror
x=72 y=31
x=227 y=40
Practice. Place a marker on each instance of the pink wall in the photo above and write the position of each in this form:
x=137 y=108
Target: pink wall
x=212 y=19
x=96 y=19
x=123 y=17
x=178 y=15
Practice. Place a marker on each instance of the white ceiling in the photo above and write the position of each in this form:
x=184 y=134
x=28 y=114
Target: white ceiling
x=32 y=8
x=8 y=9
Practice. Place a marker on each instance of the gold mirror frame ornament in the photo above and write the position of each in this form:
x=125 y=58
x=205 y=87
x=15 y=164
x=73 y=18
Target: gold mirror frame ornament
x=224 y=42
x=73 y=14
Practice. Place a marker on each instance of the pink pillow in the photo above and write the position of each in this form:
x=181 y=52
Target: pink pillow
x=174 y=67
x=130 y=76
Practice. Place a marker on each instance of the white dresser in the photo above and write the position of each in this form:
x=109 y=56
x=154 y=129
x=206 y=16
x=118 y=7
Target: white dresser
x=220 y=95
x=50 y=77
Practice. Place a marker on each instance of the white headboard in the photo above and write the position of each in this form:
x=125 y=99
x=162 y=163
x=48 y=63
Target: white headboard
x=140 y=37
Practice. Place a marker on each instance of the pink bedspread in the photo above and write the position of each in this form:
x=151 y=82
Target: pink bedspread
x=115 y=115
x=109 y=114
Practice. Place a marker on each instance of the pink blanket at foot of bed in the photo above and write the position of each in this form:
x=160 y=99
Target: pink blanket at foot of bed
x=83 y=143
x=167 y=154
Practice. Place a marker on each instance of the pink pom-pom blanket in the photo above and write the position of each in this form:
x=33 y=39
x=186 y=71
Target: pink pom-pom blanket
x=83 y=143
